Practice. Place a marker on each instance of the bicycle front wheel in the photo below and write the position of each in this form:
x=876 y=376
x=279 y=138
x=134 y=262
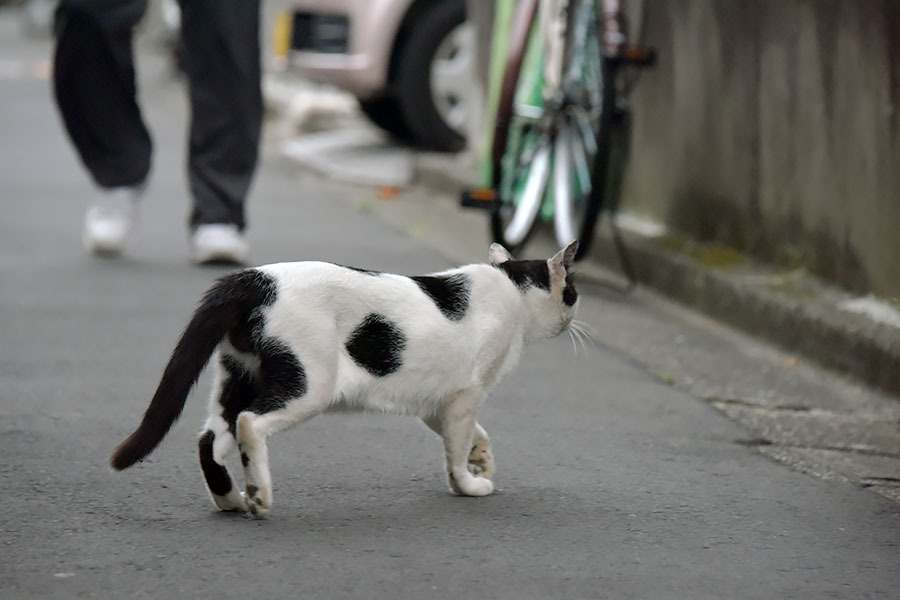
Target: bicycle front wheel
x=521 y=153
x=583 y=141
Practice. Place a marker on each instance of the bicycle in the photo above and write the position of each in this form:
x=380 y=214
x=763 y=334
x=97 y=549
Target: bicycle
x=562 y=115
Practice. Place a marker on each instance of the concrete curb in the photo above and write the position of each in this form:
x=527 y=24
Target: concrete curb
x=811 y=325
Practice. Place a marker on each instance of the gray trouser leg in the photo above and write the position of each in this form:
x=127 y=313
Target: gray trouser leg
x=222 y=60
x=93 y=82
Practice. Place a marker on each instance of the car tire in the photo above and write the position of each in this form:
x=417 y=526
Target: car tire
x=412 y=86
x=385 y=112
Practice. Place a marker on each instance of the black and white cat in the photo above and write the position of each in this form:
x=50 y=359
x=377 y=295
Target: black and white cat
x=292 y=340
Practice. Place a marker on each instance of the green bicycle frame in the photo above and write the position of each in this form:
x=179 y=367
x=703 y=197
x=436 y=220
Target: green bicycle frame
x=529 y=99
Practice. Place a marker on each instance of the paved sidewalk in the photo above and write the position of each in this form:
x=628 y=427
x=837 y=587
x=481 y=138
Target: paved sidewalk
x=613 y=482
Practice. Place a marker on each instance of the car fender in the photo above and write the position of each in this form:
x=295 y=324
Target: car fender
x=374 y=26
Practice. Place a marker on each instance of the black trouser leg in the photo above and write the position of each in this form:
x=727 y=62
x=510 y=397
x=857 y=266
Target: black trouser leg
x=93 y=76
x=221 y=41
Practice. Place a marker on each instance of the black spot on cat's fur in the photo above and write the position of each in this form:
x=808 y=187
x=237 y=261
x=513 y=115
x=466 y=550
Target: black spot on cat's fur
x=281 y=378
x=377 y=345
x=570 y=294
x=246 y=331
x=449 y=292
x=281 y=375
x=245 y=460
x=216 y=475
x=527 y=273
x=246 y=335
x=251 y=490
x=239 y=390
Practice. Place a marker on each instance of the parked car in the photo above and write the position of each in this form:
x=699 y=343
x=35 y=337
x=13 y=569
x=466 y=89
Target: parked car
x=407 y=61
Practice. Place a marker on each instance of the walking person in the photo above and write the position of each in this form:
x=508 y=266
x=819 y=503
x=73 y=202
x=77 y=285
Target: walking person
x=95 y=89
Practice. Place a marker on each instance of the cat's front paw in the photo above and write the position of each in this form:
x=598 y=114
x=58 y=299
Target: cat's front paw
x=481 y=460
x=470 y=486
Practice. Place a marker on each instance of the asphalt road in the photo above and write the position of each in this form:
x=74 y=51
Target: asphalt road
x=611 y=482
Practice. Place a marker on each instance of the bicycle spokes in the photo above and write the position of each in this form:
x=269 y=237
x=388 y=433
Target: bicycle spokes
x=530 y=198
x=556 y=156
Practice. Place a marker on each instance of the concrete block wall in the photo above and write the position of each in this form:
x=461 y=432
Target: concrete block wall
x=773 y=126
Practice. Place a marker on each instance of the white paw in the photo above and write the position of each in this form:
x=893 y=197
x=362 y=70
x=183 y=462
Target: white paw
x=258 y=502
x=234 y=501
x=481 y=460
x=471 y=486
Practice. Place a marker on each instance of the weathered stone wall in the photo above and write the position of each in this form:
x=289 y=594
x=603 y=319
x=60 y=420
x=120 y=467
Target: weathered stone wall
x=774 y=126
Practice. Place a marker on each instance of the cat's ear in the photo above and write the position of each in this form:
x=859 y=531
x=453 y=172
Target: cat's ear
x=498 y=254
x=562 y=260
x=569 y=253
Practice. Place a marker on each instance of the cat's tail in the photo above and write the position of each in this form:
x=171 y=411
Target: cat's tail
x=229 y=301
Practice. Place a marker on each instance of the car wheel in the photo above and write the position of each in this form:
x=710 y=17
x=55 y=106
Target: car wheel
x=434 y=75
x=385 y=112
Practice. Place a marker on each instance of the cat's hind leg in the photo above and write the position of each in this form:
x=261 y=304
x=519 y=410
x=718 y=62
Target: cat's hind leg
x=232 y=388
x=287 y=398
x=252 y=431
x=456 y=424
x=218 y=481
x=255 y=458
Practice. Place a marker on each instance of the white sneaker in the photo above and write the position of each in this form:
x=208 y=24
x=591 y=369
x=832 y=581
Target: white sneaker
x=110 y=219
x=219 y=242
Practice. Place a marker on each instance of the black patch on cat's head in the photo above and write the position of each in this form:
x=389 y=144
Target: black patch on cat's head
x=570 y=294
x=527 y=273
x=376 y=345
x=449 y=292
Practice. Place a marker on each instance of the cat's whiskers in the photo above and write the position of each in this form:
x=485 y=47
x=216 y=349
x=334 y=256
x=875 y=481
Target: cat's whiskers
x=588 y=339
x=580 y=330
x=580 y=336
x=572 y=337
x=586 y=329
